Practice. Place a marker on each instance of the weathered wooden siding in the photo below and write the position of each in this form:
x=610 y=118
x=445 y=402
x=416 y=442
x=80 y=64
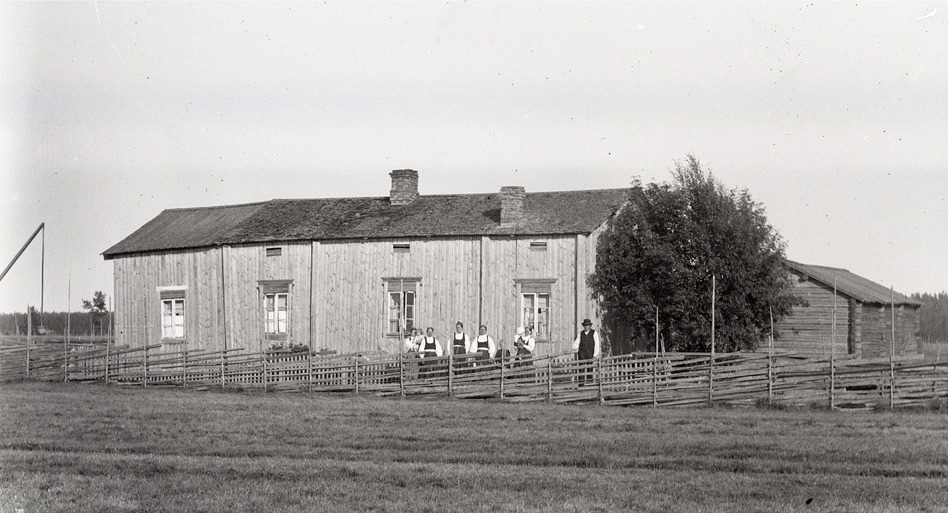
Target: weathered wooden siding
x=137 y=298
x=350 y=302
x=246 y=266
x=809 y=329
x=876 y=331
x=337 y=295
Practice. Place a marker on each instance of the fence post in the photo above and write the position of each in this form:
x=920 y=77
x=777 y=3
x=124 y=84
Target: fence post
x=501 y=375
x=770 y=360
x=223 y=368
x=29 y=338
x=655 y=381
x=401 y=375
x=711 y=380
x=599 y=379
x=310 y=380
x=549 y=378
x=451 y=373
x=264 y=371
x=355 y=369
x=108 y=345
x=145 y=367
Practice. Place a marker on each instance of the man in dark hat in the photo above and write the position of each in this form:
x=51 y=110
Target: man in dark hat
x=587 y=347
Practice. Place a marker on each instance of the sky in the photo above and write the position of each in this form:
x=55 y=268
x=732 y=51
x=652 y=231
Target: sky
x=833 y=115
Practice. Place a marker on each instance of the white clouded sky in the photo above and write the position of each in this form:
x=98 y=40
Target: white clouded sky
x=834 y=115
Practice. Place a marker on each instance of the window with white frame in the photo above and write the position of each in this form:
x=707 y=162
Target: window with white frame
x=276 y=308
x=401 y=304
x=535 y=306
x=172 y=314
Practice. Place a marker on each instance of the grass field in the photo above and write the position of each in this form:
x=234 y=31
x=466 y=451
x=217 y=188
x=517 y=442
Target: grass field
x=69 y=447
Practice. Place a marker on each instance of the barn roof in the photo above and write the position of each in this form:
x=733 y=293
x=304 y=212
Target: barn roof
x=279 y=220
x=852 y=285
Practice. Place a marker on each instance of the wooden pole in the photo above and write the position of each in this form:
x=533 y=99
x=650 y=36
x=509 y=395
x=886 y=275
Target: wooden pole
x=108 y=346
x=501 y=375
x=355 y=371
x=833 y=352
x=549 y=377
x=310 y=353
x=264 y=370
x=68 y=327
x=29 y=338
x=711 y=361
x=655 y=365
x=144 y=367
x=451 y=372
x=43 y=276
x=223 y=367
x=770 y=360
x=602 y=398
x=892 y=351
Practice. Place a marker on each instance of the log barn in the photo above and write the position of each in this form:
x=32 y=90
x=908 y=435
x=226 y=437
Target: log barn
x=354 y=274
x=863 y=316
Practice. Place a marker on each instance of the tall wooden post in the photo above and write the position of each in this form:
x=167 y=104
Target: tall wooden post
x=451 y=373
x=66 y=339
x=310 y=375
x=655 y=365
x=833 y=352
x=145 y=367
x=892 y=352
x=770 y=360
x=711 y=361
x=264 y=370
x=223 y=367
x=549 y=377
x=29 y=338
x=401 y=374
x=602 y=398
x=501 y=375
x=355 y=371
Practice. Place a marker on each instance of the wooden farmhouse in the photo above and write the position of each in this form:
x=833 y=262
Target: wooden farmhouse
x=353 y=274
x=863 y=316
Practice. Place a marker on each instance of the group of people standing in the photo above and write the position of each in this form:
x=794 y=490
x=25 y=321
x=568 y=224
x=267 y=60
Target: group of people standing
x=483 y=345
x=587 y=343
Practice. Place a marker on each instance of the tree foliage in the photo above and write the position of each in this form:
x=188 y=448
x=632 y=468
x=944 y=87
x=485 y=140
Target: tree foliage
x=662 y=249
x=933 y=316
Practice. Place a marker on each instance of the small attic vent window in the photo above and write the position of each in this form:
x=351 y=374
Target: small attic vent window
x=538 y=245
x=401 y=247
x=274 y=251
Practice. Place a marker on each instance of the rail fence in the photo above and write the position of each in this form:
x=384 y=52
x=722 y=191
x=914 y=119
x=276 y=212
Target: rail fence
x=639 y=379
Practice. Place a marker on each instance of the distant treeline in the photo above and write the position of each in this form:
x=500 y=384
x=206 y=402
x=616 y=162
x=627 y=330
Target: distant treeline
x=933 y=316
x=80 y=323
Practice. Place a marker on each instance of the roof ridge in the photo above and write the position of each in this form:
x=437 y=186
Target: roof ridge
x=211 y=207
x=609 y=189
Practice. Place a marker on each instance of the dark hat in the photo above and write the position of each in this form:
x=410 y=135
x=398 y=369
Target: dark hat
x=587 y=322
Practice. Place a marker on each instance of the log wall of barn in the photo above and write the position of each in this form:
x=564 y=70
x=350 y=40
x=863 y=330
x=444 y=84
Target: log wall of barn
x=808 y=330
x=876 y=331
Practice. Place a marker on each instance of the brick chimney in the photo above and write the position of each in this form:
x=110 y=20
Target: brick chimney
x=404 y=186
x=511 y=204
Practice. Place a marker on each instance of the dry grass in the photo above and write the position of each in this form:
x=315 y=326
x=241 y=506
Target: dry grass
x=96 y=448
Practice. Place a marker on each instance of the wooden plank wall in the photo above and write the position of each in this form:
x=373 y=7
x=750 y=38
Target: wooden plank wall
x=346 y=305
x=809 y=329
x=877 y=330
x=137 y=298
x=246 y=266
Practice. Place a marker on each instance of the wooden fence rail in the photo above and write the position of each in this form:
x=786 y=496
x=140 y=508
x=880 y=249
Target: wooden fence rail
x=639 y=379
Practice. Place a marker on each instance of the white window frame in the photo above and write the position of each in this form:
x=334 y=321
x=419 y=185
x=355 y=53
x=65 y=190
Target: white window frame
x=272 y=320
x=535 y=288
x=270 y=317
x=401 y=299
x=538 y=333
x=172 y=313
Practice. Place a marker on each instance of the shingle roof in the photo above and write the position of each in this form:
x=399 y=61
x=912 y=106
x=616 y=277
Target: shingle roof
x=544 y=213
x=852 y=285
